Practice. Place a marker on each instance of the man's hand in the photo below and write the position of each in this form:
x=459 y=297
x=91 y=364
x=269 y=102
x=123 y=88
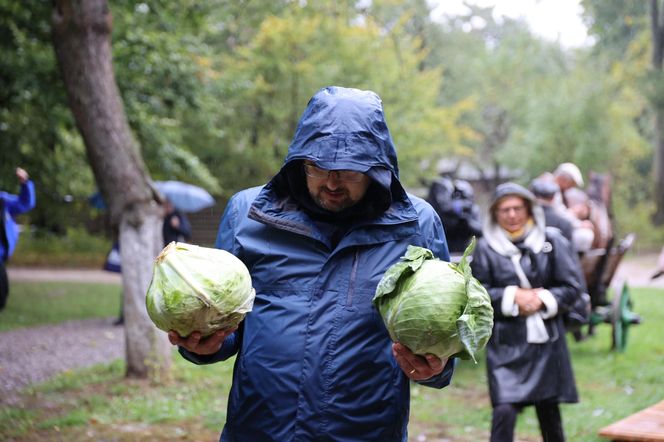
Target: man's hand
x=417 y=368
x=22 y=175
x=194 y=343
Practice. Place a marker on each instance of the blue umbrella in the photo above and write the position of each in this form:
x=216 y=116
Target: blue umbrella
x=185 y=197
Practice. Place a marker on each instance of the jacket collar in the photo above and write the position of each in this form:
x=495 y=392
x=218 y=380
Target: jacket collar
x=284 y=213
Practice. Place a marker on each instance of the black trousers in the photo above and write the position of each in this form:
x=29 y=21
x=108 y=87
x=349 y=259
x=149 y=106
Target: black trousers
x=4 y=285
x=548 y=415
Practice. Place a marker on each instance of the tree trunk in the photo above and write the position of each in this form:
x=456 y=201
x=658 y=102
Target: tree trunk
x=81 y=38
x=658 y=218
x=657 y=26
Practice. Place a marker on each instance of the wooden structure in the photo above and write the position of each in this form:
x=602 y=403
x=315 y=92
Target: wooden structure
x=599 y=268
x=644 y=426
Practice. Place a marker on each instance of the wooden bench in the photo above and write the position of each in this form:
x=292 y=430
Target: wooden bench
x=644 y=426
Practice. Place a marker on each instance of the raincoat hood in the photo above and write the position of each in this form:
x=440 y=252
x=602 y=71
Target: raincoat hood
x=341 y=128
x=344 y=128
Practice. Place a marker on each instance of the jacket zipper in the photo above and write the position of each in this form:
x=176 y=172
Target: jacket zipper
x=353 y=277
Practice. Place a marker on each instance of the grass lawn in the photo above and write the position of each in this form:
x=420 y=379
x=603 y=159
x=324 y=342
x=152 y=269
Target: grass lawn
x=100 y=404
x=40 y=303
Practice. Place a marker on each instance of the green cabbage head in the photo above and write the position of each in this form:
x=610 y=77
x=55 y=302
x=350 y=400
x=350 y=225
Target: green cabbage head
x=198 y=289
x=433 y=306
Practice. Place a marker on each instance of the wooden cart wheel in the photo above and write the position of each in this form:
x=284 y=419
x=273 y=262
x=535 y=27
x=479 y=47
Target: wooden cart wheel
x=622 y=316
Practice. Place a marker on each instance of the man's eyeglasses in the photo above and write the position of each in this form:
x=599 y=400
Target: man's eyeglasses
x=516 y=209
x=349 y=176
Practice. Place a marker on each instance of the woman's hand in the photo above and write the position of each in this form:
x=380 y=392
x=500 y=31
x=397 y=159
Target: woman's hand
x=205 y=346
x=528 y=301
x=416 y=367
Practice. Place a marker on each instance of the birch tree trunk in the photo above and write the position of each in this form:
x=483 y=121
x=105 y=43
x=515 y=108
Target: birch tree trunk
x=657 y=26
x=81 y=38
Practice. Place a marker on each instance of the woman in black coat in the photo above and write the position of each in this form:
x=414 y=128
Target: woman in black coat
x=529 y=273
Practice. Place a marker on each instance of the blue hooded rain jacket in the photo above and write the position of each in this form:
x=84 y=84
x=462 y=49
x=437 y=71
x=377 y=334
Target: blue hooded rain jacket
x=10 y=206
x=314 y=359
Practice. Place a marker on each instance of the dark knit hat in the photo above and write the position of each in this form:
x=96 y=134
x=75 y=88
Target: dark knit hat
x=544 y=188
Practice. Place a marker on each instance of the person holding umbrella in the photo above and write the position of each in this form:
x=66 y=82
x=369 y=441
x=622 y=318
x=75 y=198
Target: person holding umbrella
x=10 y=206
x=179 y=197
x=176 y=225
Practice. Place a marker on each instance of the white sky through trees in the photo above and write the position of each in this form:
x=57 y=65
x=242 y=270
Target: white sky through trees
x=556 y=20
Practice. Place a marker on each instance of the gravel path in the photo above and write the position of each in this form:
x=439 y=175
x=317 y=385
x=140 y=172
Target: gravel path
x=33 y=355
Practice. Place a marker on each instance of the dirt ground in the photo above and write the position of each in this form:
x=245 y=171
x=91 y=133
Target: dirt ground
x=637 y=270
x=57 y=274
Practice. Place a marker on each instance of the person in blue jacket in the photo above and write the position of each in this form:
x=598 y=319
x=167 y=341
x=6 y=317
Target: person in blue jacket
x=314 y=359
x=10 y=206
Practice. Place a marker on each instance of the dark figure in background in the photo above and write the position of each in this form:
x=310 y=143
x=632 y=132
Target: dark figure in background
x=314 y=360
x=454 y=202
x=113 y=263
x=10 y=206
x=529 y=272
x=176 y=225
x=545 y=191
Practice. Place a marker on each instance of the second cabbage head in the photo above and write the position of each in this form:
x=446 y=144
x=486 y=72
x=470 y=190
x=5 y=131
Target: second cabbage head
x=433 y=306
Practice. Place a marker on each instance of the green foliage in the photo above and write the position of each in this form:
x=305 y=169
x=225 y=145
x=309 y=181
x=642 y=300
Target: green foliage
x=76 y=248
x=653 y=88
x=574 y=119
x=538 y=105
x=16 y=420
x=615 y=23
x=213 y=91
x=505 y=78
x=622 y=54
x=160 y=52
x=36 y=127
x=294 y=55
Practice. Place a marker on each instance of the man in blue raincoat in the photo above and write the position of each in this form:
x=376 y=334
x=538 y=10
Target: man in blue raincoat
x=314 y=359
x=10 y=206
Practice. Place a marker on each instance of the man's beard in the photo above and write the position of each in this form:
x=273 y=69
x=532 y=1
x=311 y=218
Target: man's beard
x=341 y=199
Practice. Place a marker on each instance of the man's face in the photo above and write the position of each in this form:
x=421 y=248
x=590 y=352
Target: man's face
x=337 y=190
x=565 y=182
